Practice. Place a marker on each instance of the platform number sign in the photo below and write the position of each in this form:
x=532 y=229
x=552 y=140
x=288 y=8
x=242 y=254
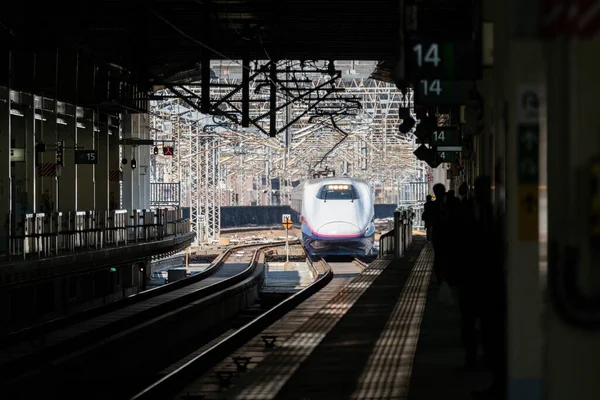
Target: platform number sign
x=447 y=156
x=431 y=87
x=425 y=62
x=447 y=138
x=431 y=54
x=435 y=61
x=442 y=92
x=86 y=157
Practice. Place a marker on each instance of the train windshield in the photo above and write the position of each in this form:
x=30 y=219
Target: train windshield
x=337 y=192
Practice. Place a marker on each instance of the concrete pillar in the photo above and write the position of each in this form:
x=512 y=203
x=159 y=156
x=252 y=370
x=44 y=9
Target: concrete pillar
x=86 y=184
x=30 y=194
x=440 y=175
x=525 y=295
x=130 y=189
x=67 y=181
x=45 y=133
x=19 y=133
x=141 y=124
x=103 y=166
x=5 y=167
x=114 y=185
x=520 y=67
x=136 y=183
x=573 y=346
x=130 y=176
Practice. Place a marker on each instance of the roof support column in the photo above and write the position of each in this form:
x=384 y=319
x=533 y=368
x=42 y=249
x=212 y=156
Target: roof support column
x=573 y=319
x=130 y=181
x=103 y=167
x=86 y=185
x=141 y=125
x=5 y=165
x=520 y=65
x=67 y=181
x=29 y=197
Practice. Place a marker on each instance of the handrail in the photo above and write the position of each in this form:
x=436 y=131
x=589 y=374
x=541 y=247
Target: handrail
x=42 y=235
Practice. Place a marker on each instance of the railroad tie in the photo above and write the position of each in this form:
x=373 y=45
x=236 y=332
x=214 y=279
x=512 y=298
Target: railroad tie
x=225 y=377
x=269 y=341
x=241 y=363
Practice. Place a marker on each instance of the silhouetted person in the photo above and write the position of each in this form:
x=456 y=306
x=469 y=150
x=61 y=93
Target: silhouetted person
x=439 y=237
x=427 y=216
x=485 y=282
x=453 y=224
x=466 y=261
x=451 y=198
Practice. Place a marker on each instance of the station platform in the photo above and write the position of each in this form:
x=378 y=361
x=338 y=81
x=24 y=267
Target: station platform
x=384 y=336
x=288 y=278
x=59 y=264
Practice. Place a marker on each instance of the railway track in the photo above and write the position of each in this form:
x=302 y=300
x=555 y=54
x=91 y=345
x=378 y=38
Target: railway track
x=62 y=355
x=228 y=357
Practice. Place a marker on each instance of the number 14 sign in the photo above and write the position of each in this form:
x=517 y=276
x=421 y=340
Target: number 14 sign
x=430 y=59
x=438 y=92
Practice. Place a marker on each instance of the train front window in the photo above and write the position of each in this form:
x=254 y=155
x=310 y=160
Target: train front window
x=337 y=192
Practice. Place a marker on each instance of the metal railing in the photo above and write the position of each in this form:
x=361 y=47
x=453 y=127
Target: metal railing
x=56 y=233
x=165 y=193
x=396 y=241
x=417 y=207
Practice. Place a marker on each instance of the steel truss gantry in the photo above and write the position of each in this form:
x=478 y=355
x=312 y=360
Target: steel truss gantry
x=322 y=120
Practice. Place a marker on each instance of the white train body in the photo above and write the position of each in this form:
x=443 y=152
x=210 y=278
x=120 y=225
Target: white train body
x=336 y=214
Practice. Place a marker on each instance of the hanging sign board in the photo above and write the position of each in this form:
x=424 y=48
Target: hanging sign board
x=17 y=154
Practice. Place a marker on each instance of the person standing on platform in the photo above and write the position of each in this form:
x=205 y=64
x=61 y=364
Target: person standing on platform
x=426 y=217
x=466 y=261
x=440 y=233
x=485 y=283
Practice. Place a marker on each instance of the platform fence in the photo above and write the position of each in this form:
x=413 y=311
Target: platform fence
x=397 y=241
x=51 y=234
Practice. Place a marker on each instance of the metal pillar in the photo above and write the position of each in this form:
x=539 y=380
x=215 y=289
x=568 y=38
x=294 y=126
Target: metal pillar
x=5 y=169
x=175 y=136
x=195 y=211
x=573 y=319
x=209 y=188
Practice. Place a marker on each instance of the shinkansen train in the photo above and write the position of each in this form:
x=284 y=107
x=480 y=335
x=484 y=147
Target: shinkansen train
x=337 y=216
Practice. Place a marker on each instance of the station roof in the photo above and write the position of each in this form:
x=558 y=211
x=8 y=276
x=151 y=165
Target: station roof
x=167 y=36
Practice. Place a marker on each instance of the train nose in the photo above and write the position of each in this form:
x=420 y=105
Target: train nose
x=338 y=230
